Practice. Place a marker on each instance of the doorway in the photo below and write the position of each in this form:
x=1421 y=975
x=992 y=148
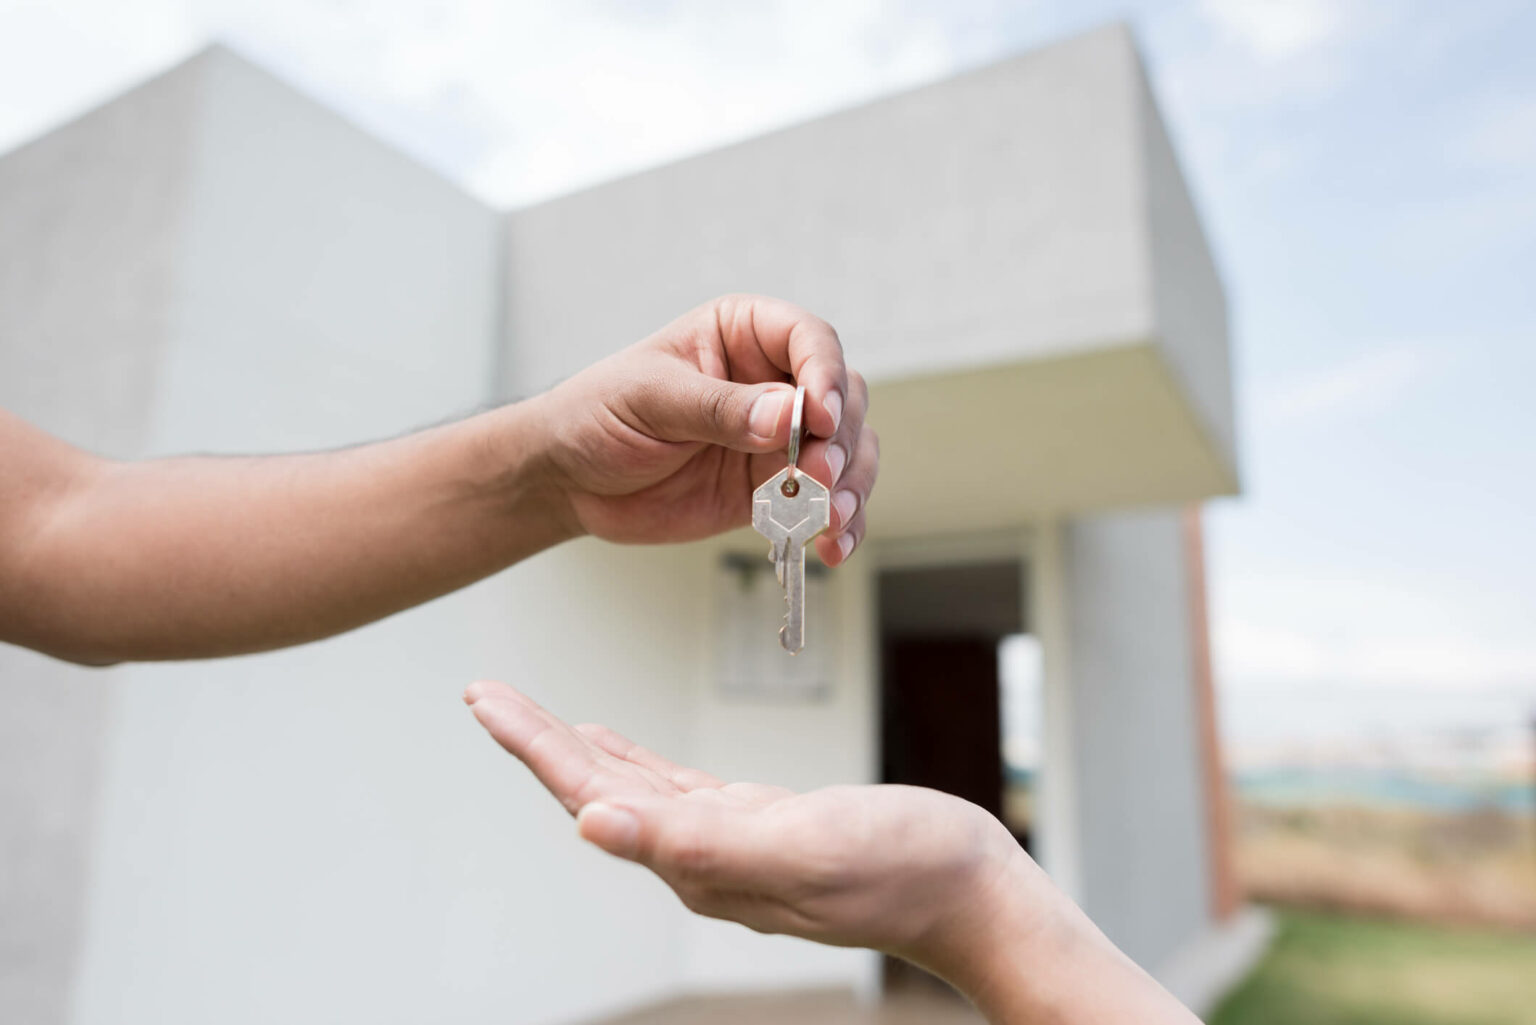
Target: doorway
x=960 y=694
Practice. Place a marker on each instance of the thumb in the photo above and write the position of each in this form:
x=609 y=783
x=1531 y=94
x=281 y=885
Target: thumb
x=744 y=417
x=687 y=841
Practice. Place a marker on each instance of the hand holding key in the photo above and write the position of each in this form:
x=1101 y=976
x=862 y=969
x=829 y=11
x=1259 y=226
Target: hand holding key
x=666 y=440
x=789 y=509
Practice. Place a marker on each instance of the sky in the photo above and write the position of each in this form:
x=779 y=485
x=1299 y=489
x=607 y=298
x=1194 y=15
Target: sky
x=1366 y=172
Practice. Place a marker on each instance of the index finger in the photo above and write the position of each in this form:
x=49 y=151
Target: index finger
x=562 y=759
x=795 y=341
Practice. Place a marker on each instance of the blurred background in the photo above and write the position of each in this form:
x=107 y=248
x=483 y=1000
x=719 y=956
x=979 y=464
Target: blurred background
x=1352 y=340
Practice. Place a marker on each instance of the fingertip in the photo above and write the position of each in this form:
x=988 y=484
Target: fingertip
x=845 y=546
x=836 y=459
x=833 y=405
x=482 y=711
x=846 y=504
x=836 y=550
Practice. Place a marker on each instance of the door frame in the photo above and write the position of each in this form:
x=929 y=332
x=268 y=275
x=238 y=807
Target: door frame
x=1040 y=547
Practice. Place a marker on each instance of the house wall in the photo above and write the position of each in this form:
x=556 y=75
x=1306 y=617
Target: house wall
x=1142 y=859
x=90 y=224
x=1187 y=293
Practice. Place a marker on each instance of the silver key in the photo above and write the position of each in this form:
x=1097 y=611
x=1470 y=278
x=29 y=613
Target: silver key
x=789 y=509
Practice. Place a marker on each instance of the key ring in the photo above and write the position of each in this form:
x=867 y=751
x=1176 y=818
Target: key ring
x=796 y=419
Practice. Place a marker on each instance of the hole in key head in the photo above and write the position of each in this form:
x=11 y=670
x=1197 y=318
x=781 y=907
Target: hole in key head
x=790 y=487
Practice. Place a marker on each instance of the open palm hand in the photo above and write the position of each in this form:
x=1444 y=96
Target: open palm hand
x=889 y=867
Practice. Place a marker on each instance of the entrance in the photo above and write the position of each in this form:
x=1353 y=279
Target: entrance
x=960 y=693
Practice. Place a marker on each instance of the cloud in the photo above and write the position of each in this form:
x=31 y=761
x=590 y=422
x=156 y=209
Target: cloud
x=627 y=97
x=1277 y=29
x=1364 y=383
x=518 y=101
x=545 y=96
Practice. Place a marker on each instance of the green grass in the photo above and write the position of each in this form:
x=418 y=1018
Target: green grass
x=1334 y=970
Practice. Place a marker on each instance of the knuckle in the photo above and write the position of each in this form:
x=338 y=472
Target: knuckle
x=814 y=325
x=837 y=343
x=715 y=407
x=647 y=394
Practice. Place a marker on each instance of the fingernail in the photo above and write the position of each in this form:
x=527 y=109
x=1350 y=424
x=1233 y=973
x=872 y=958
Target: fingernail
x=846 y=503
x=767 y=411
x=845 y=545
x=615 y=830
x=836 y=460
x=834 y=406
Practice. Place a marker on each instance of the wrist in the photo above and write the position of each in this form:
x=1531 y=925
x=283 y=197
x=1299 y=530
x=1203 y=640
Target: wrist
x=521 y=474
x=1027 y=954
x=1013 y=939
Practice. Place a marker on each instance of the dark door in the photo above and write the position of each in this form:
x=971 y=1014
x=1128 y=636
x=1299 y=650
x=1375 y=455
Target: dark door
x=941 y=721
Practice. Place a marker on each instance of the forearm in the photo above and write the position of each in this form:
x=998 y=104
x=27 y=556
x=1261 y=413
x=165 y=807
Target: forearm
x=1027 y=955
x=198 y=557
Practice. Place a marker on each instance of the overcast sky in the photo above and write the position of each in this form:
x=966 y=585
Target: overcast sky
x=1367 y=173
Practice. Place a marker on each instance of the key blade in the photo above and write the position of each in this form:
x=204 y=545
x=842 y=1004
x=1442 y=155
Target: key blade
x=792 y=633
x=789 y=522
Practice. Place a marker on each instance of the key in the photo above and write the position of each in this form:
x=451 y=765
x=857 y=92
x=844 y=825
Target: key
x=789 y=509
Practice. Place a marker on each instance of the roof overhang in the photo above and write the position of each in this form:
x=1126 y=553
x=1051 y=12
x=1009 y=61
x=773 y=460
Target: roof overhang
x=1013 y=443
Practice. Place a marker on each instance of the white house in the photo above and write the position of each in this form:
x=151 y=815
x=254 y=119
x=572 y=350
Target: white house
x=213 y=262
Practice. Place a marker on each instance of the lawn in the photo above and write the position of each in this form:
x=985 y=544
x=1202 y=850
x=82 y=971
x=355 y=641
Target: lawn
x=1328 y=969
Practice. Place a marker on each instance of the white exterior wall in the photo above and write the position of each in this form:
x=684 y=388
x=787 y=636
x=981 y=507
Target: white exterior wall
x=85 y=276
x=1141 y=868
x=318 y=266
x=1187 y=293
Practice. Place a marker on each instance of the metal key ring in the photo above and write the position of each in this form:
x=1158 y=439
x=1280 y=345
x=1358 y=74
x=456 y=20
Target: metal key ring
x=796 y=419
